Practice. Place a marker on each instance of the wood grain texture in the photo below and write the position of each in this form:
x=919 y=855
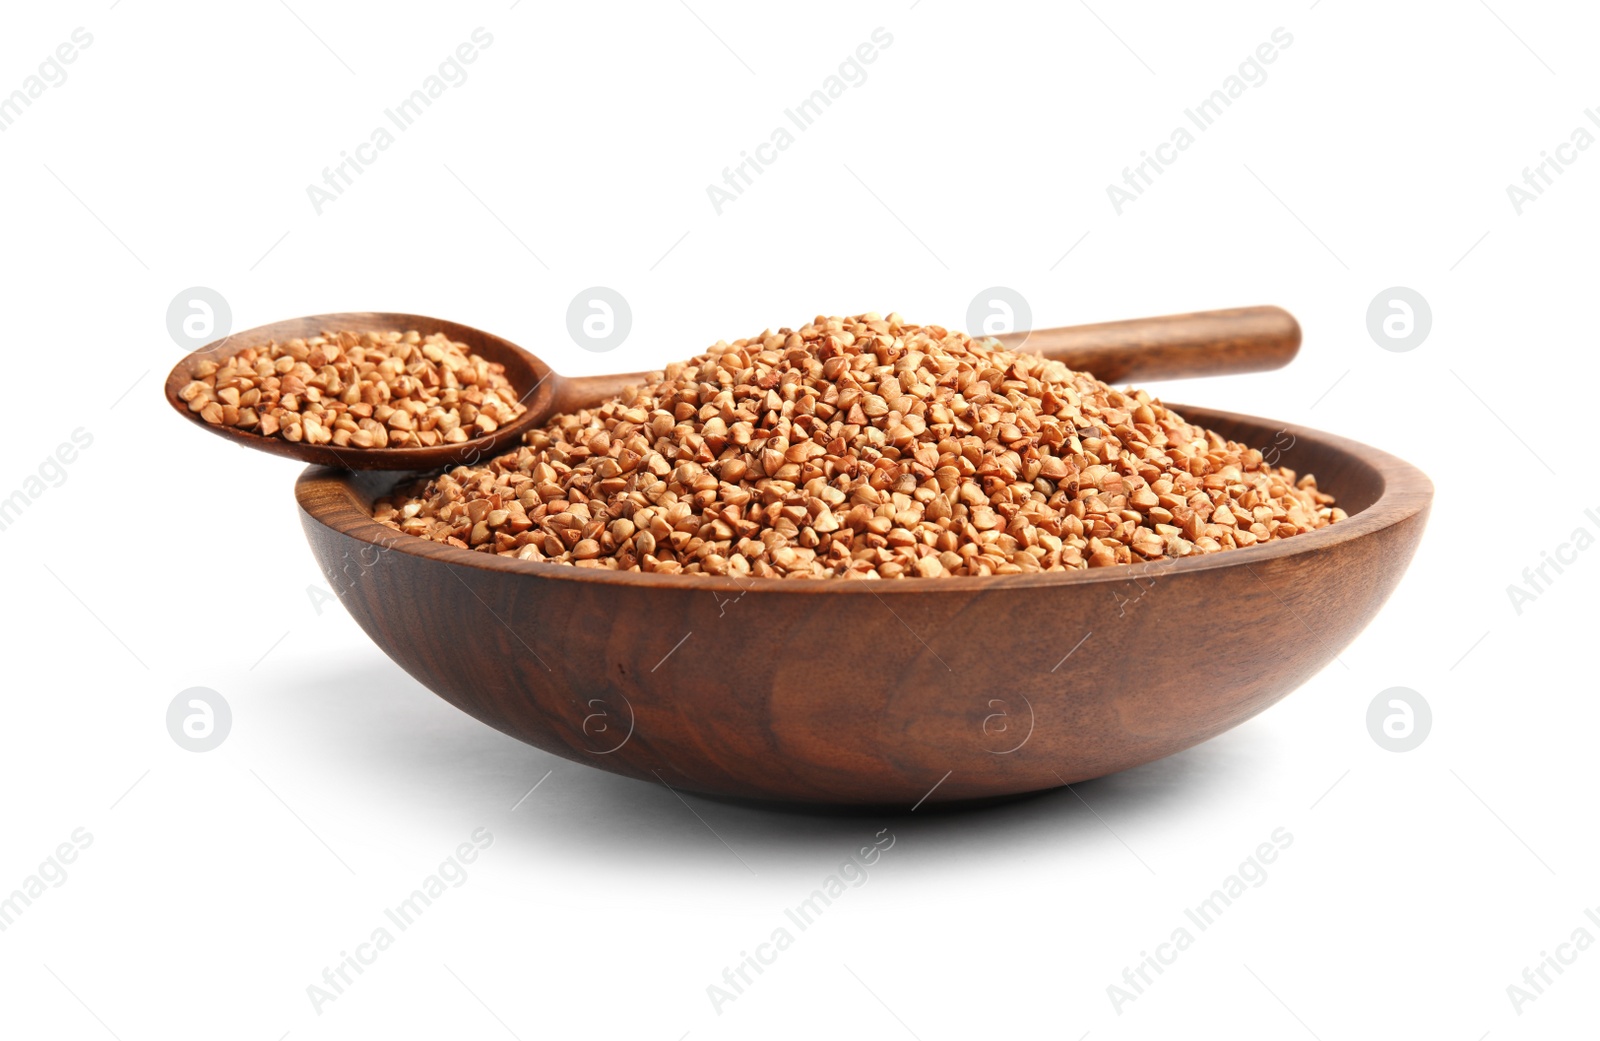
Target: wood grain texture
x=868 y=693
x=1207 y=343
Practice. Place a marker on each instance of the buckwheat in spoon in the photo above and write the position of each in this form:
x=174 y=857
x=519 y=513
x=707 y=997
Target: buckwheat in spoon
x=981 y=520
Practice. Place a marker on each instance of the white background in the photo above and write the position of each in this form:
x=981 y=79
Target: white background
x=218 y=885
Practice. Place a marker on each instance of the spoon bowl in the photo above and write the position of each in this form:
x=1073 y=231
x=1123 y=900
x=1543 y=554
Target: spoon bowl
x=535 y=384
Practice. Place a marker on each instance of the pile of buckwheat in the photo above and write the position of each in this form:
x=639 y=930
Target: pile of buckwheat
x=357 y=390
x=864 y=448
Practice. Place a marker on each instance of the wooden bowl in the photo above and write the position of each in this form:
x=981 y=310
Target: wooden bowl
x=889 y=693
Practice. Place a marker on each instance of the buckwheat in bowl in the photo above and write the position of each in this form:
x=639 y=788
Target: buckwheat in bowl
x=865 y=562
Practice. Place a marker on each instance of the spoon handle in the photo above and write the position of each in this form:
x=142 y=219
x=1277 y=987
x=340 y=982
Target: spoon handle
x=579 y=392
x=1206 y=343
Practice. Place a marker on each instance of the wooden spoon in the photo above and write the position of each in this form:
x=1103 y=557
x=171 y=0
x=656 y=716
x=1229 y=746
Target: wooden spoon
x=1245 y=339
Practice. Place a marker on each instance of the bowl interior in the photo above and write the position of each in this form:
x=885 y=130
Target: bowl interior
x=1358 y=476
x=1346 y=475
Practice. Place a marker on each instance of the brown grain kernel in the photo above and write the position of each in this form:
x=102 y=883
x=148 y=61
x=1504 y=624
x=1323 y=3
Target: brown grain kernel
x=853 y=447
x=317 y=389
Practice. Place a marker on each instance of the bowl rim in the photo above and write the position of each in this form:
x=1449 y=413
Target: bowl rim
x=329 y=497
